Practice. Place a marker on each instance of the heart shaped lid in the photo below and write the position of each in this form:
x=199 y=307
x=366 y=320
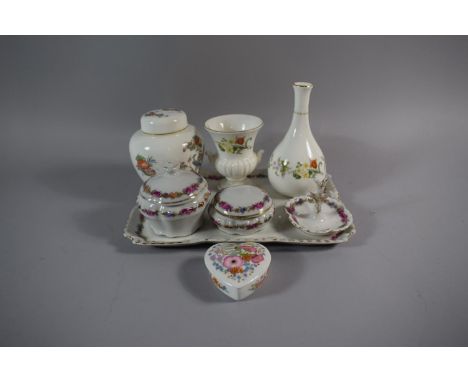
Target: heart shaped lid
x=242 y=201
x=163 y=121
x=237 y=264
x=173 y=187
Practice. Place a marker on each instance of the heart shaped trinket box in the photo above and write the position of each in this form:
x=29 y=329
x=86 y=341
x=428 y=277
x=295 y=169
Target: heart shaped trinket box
x=237 y=269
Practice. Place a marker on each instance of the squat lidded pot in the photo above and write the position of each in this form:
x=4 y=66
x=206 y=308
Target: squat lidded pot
x=165 y=140
x=173 y=202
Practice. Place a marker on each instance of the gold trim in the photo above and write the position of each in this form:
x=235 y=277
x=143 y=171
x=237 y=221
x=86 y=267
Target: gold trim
x=234 y=226
x=174 y=132
x=235 y=217
x=200 y=204
x=300 y=84
x=235 y=132
x=180 y=201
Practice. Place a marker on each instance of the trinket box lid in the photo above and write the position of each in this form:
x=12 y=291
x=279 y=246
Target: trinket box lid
x=163 y=121
x=242 y=201
x=173 y=187
x=237 y=269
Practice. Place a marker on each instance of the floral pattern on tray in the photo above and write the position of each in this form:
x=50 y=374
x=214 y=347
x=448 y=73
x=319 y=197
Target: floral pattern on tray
x=302 y=170
x=235 y=145
x=239 y=263
x=173 y=194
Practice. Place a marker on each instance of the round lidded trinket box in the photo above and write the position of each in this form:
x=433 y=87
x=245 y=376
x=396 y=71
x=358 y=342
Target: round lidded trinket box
x=241 y=210
x=165 y=137
x=238 y=269
x=173 y=202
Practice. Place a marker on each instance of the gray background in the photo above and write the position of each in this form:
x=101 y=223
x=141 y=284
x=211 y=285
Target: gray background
x=390 y=114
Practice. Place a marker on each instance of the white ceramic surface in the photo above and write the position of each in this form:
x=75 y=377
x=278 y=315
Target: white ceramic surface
x=164 y=140
x=241 y=226
x=241 y=201
x=173 y=202
x=239 y=269
x=163 y=121
x=234 y=137
x=173 y=186
x=241 y=210
x=332 y=217
x=297 y=163
x=279 y=230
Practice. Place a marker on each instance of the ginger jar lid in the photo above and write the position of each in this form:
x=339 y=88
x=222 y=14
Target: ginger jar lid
x=242 y=201
x=173 y=187
x=163 y=121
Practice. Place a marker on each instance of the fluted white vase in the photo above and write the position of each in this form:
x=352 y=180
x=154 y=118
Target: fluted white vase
x=297 y=164
x=234 y=137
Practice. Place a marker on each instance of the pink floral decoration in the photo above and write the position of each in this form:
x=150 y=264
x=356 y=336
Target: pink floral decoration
x=187 y=211
x=225 y=206
x=249 y=248
x=342 y=214
x=190 y=189
x=258 y=205
x=257 y=259
x=233 y=262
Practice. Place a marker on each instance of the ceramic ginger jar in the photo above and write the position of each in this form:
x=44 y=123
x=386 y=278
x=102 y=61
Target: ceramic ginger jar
x=165 y=140
x=297 y=164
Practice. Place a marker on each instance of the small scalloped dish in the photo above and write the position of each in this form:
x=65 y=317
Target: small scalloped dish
x=333 y=216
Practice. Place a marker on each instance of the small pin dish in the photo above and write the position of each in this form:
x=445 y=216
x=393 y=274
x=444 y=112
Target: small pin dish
x=318 y=213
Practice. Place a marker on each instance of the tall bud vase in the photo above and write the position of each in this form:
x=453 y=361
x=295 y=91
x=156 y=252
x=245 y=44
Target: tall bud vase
x=297 y=164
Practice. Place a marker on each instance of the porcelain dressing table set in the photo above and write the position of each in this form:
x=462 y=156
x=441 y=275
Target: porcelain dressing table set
x=295 y=201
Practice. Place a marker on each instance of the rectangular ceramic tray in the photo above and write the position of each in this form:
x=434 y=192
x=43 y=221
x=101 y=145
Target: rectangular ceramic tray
x=278 y=230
